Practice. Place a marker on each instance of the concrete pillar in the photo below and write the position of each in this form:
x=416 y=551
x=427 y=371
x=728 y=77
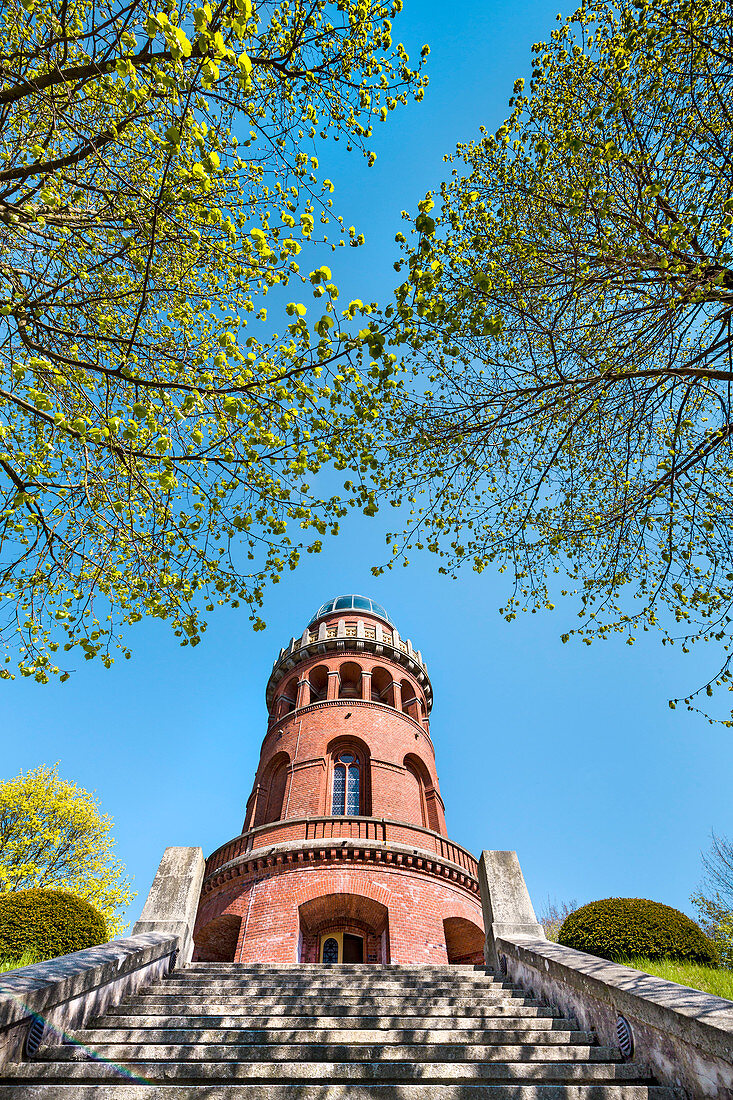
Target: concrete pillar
x=333 y=685
x=174 y=897
x=366 y=685
x=505 y=901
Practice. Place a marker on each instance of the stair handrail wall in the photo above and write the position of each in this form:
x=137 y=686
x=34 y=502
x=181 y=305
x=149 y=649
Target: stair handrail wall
x=63 y=994
x=684 y=1036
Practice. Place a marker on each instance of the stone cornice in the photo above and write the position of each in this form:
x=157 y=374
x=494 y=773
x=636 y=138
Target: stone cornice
x=309 y=853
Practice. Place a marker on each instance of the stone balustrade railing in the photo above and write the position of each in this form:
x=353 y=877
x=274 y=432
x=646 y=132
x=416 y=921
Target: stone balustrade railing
x=368 y=829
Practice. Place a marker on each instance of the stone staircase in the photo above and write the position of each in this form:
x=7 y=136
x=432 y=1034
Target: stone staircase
x=351 y=1032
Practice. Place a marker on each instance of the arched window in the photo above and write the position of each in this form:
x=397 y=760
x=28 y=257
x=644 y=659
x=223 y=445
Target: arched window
x=345 y=801
x=271 y=787
x=413 y=806
x=276 y=793
x=420 y=793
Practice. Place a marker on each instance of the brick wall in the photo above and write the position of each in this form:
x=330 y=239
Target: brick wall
x=380 y=736
x=276 y=923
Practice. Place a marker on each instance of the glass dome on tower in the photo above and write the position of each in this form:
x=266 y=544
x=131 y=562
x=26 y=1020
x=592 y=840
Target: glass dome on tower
x=351 y=603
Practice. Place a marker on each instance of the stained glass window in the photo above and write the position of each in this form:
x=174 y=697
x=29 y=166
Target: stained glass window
x=345 y=801
x=339 y=790
x=352 y=791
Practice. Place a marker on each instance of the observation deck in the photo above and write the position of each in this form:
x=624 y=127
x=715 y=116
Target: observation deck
x=357 y=635
x=307 y=840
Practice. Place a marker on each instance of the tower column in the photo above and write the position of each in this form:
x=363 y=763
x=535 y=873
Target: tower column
x=304 y=693
x=413 y=709
x=333 y=685
x=282 y=708
x=397 y=694
x=366 y=685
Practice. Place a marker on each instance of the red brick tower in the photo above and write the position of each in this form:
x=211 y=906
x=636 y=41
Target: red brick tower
x=343 y=855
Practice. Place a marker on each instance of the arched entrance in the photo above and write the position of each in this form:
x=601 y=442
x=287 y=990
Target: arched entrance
x=343 y=928
x=464 y=941
x=217 y=940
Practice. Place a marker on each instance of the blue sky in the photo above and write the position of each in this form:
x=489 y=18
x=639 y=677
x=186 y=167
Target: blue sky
x=567 y=753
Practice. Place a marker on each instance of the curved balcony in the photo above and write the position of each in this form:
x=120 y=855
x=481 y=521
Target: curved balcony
x=373 y=831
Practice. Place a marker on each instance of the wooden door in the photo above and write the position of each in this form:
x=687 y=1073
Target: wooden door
x=353 y=949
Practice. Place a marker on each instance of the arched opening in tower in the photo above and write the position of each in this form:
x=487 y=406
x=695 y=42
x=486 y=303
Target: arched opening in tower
x=287 y=699
x=340 y=928
x=350 y=686
x=410 y=701
x=382 y=689
x=217 y=940
x=464 y=941
x=318 y=677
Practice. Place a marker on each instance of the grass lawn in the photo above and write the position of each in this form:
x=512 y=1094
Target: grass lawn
x=28 y=959
x=707 y=978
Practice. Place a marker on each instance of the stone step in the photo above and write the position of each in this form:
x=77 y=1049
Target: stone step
x=395 y=1073
x=356 y=988
x=348 y=999
x=293 y=988
x=297 y=985
x=308 y=1015
x=342 y=974
x=490 y=995
x=339 y=974
x=531 y=1032
x=80 y=1091
x=175 y=1016
x=286 y=969
x=334 y=1053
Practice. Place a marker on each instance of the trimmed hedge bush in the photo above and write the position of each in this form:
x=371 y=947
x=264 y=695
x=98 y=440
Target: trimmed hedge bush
x=618 y=928
x=48 y=923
